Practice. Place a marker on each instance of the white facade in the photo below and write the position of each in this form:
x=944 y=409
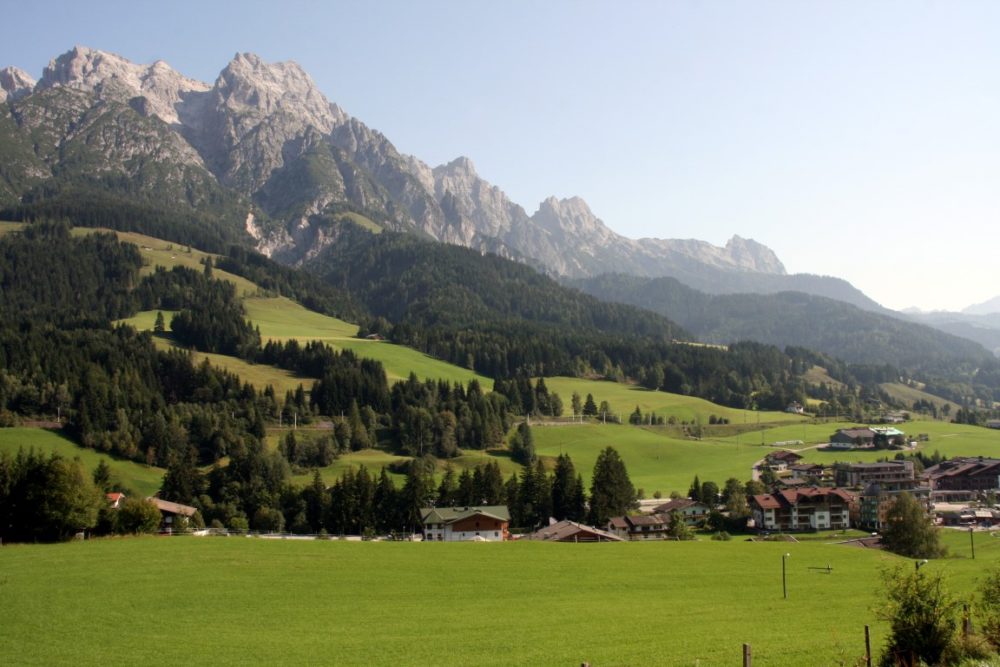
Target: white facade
x=437 y=532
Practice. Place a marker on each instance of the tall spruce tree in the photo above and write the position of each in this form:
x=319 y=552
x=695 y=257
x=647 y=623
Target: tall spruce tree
x=611 y=490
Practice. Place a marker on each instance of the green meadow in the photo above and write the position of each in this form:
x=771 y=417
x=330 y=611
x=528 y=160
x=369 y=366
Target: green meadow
x=624 y=398
x=143 y=479
x=228 y=601
x=655 y=460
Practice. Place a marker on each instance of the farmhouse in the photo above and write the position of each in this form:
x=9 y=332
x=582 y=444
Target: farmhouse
x=781 y=460
x=640 y=527
x=173 y=515
x=817 y=473
x=811 y=508
x=693 y=511
x=489 y=523
x=570 y=531
x=860 y=436
x=114 y=499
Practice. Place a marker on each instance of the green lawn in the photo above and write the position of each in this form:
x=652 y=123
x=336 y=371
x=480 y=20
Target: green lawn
x=240 y=601
x=654 y=461
x=949 y=439
x=283 y=319
x=143 y=479
x=624 y=398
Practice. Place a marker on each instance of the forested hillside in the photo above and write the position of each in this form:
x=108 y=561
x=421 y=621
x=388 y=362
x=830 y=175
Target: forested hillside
x=504 y=319
x=832 y=327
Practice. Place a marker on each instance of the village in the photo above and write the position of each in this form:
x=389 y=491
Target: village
x=804 y=497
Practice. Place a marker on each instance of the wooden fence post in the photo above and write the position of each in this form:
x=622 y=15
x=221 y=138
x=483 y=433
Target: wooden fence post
x=868 y=647
x=747 y=657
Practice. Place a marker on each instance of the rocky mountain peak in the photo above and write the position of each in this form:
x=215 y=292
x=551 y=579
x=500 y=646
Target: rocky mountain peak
x=15 y=83
x=750 y=255
x=459 y=166
x=165 y=90
x=572 y=218
x=248 y=84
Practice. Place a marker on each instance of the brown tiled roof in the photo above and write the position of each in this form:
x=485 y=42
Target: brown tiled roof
x=677 y=504
x=619 y=522
x=784 y=455
x=568 y=531
x=648 y=520
x=790 y=497
x=173 y=508
x=767 y=501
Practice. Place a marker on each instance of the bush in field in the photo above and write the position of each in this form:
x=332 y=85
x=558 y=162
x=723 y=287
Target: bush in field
x=137 y=516
x=922 y=617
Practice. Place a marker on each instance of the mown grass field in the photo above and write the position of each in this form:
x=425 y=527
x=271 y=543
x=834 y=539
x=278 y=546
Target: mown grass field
x=948 y=439
x=223 y=601
x=624 y=398
x=655 y=461
x=144 y=479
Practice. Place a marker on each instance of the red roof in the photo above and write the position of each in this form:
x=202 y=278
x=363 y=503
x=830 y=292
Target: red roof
x=114 y=497
x=791 y=497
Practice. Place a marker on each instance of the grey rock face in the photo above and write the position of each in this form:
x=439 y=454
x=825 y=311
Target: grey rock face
x=266 y=131
x=14 y=84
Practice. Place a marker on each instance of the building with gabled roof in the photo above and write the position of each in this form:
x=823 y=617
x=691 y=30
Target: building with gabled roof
x=809 y=508
x=115 y=499
x=174 y=516
x=860 y=436
x=968 y=475
x=489 y=523
x=693 y=511
x=570 y=531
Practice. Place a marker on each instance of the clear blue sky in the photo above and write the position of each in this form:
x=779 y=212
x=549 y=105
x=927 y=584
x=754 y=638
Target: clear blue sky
x=857 y=139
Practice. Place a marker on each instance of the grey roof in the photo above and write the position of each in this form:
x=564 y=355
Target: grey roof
x=452 y=514
x=173 y=508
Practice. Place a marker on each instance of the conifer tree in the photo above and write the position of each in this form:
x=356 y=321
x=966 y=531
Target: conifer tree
x=611 y=491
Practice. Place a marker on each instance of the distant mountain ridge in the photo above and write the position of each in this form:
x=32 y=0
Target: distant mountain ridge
x=281 y=161
x=990 y=307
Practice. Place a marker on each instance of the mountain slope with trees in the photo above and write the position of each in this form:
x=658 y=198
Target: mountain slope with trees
x=801 y=320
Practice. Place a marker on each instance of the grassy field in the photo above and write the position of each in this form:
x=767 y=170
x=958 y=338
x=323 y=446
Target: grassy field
x=623 y=398
x=218 y=601
x=654 y=461
x=10 y=227
x=948 y=439
x=283 y=319
x=910 y=395
x=144 y=479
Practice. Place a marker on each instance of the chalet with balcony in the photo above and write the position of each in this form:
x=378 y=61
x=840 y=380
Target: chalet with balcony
x=693 y=511
x=489 y=523
x=803 y=509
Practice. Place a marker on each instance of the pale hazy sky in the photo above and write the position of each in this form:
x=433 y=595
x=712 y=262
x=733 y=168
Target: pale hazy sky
x=856 y=139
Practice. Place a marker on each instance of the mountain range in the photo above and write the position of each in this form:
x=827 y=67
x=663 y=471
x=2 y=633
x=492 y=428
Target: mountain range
x=264 y=156
x=264 y=140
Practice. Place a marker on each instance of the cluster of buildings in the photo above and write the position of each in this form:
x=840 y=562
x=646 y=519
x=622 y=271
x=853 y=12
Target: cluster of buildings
x=802 y=497
x=806 y=497
x=817 y=497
